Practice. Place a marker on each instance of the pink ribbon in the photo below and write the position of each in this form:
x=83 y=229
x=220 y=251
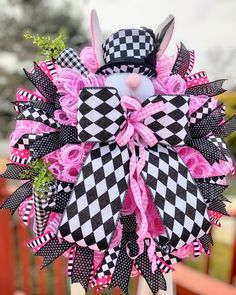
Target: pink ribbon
x=135 y=132
x=136 y=114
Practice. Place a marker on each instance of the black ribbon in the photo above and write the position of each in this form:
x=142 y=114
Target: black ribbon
x=218 y=206
x=38 y=115
x=52 y=250
x=19 y=196
x=209 y=89
x=82 y=266
x=202 y=132
x=125 y=262
x=68 y=58
x=44 y=85
x=60 y=196
x=226 y=128
x=212 y=192
x=206 y=241
x=14 y=171
x=184 y=62
x=53 y=141
x=37 y=104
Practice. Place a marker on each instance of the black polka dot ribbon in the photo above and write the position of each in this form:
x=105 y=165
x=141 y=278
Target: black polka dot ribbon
x=14 y=171
x=44 y=85
x=205 y=135
x=82 y=266
x=50 y=142
x=125 y=261
x=209 y=89
x=52 y=250
x=19 y=196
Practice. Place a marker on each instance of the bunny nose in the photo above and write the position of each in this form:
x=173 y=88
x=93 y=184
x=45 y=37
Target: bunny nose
x=133 y=81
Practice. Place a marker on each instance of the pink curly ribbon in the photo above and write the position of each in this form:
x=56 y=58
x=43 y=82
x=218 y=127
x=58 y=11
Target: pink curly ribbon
x=135 y=132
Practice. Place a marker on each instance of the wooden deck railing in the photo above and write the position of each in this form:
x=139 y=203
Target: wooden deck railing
x=20 y=270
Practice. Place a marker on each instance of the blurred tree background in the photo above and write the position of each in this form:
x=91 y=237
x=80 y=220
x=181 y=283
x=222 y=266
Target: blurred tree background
x=40 y=17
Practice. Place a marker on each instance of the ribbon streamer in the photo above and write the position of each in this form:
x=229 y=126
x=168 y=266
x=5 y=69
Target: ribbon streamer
x=212 y=192
x=68 y=58
x=203 y=136
x=127 y=256
x=206 y=241
x=44 y=85
x=184 y=62
x=38 y=115
x=226 y=128
x=52 y=250
x=21 y=194
x=209 y=89
x=82 y=266
x=46 y=107
x=50 y=142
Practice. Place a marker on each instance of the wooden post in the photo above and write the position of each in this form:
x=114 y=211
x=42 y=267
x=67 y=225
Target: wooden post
x=7 y=254
x=233 y=269
x=143 y=288
x=77 y=289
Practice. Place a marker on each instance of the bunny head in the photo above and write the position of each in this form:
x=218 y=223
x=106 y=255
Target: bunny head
x=127 y=58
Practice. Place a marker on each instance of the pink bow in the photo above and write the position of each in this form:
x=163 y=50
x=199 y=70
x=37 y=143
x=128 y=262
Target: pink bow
x=134 y=123
x=134 y=131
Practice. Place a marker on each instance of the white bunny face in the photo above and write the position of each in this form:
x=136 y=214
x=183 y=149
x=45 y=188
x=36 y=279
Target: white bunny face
x=131 y=84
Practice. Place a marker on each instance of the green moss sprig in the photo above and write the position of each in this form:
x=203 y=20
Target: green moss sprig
x=49 y=48
x=41 y=175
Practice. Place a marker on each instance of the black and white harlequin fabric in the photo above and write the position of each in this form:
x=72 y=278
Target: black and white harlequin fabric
x=127 y=51
x=26 y=140
x=92 y=212
x=200 y=113
x=100 y=114
x=38 y=115
x=171 y=125
x=108 y=264
x=178 y=199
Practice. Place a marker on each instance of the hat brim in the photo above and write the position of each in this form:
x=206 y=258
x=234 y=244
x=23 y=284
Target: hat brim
x=138 y=67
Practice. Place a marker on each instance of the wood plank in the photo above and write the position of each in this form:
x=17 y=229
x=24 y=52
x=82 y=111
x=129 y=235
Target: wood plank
x=232 y=277
x=116 y=291
x=192 y=282
x=59 y=276
x=24 y=256
x=7 y=253
x=41 y=284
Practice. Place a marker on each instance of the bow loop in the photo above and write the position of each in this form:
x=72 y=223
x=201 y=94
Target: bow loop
x=135 y=115
x=120 y=128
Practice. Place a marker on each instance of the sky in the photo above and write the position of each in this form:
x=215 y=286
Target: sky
x=207 y=26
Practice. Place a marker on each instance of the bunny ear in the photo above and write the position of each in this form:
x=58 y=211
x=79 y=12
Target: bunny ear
x=163 y=34
x=96 y=37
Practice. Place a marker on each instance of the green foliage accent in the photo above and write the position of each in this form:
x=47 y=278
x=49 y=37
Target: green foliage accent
x=41 y=175
x=50 y=48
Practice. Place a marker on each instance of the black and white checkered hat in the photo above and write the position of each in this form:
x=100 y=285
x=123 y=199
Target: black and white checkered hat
x=129 y=51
